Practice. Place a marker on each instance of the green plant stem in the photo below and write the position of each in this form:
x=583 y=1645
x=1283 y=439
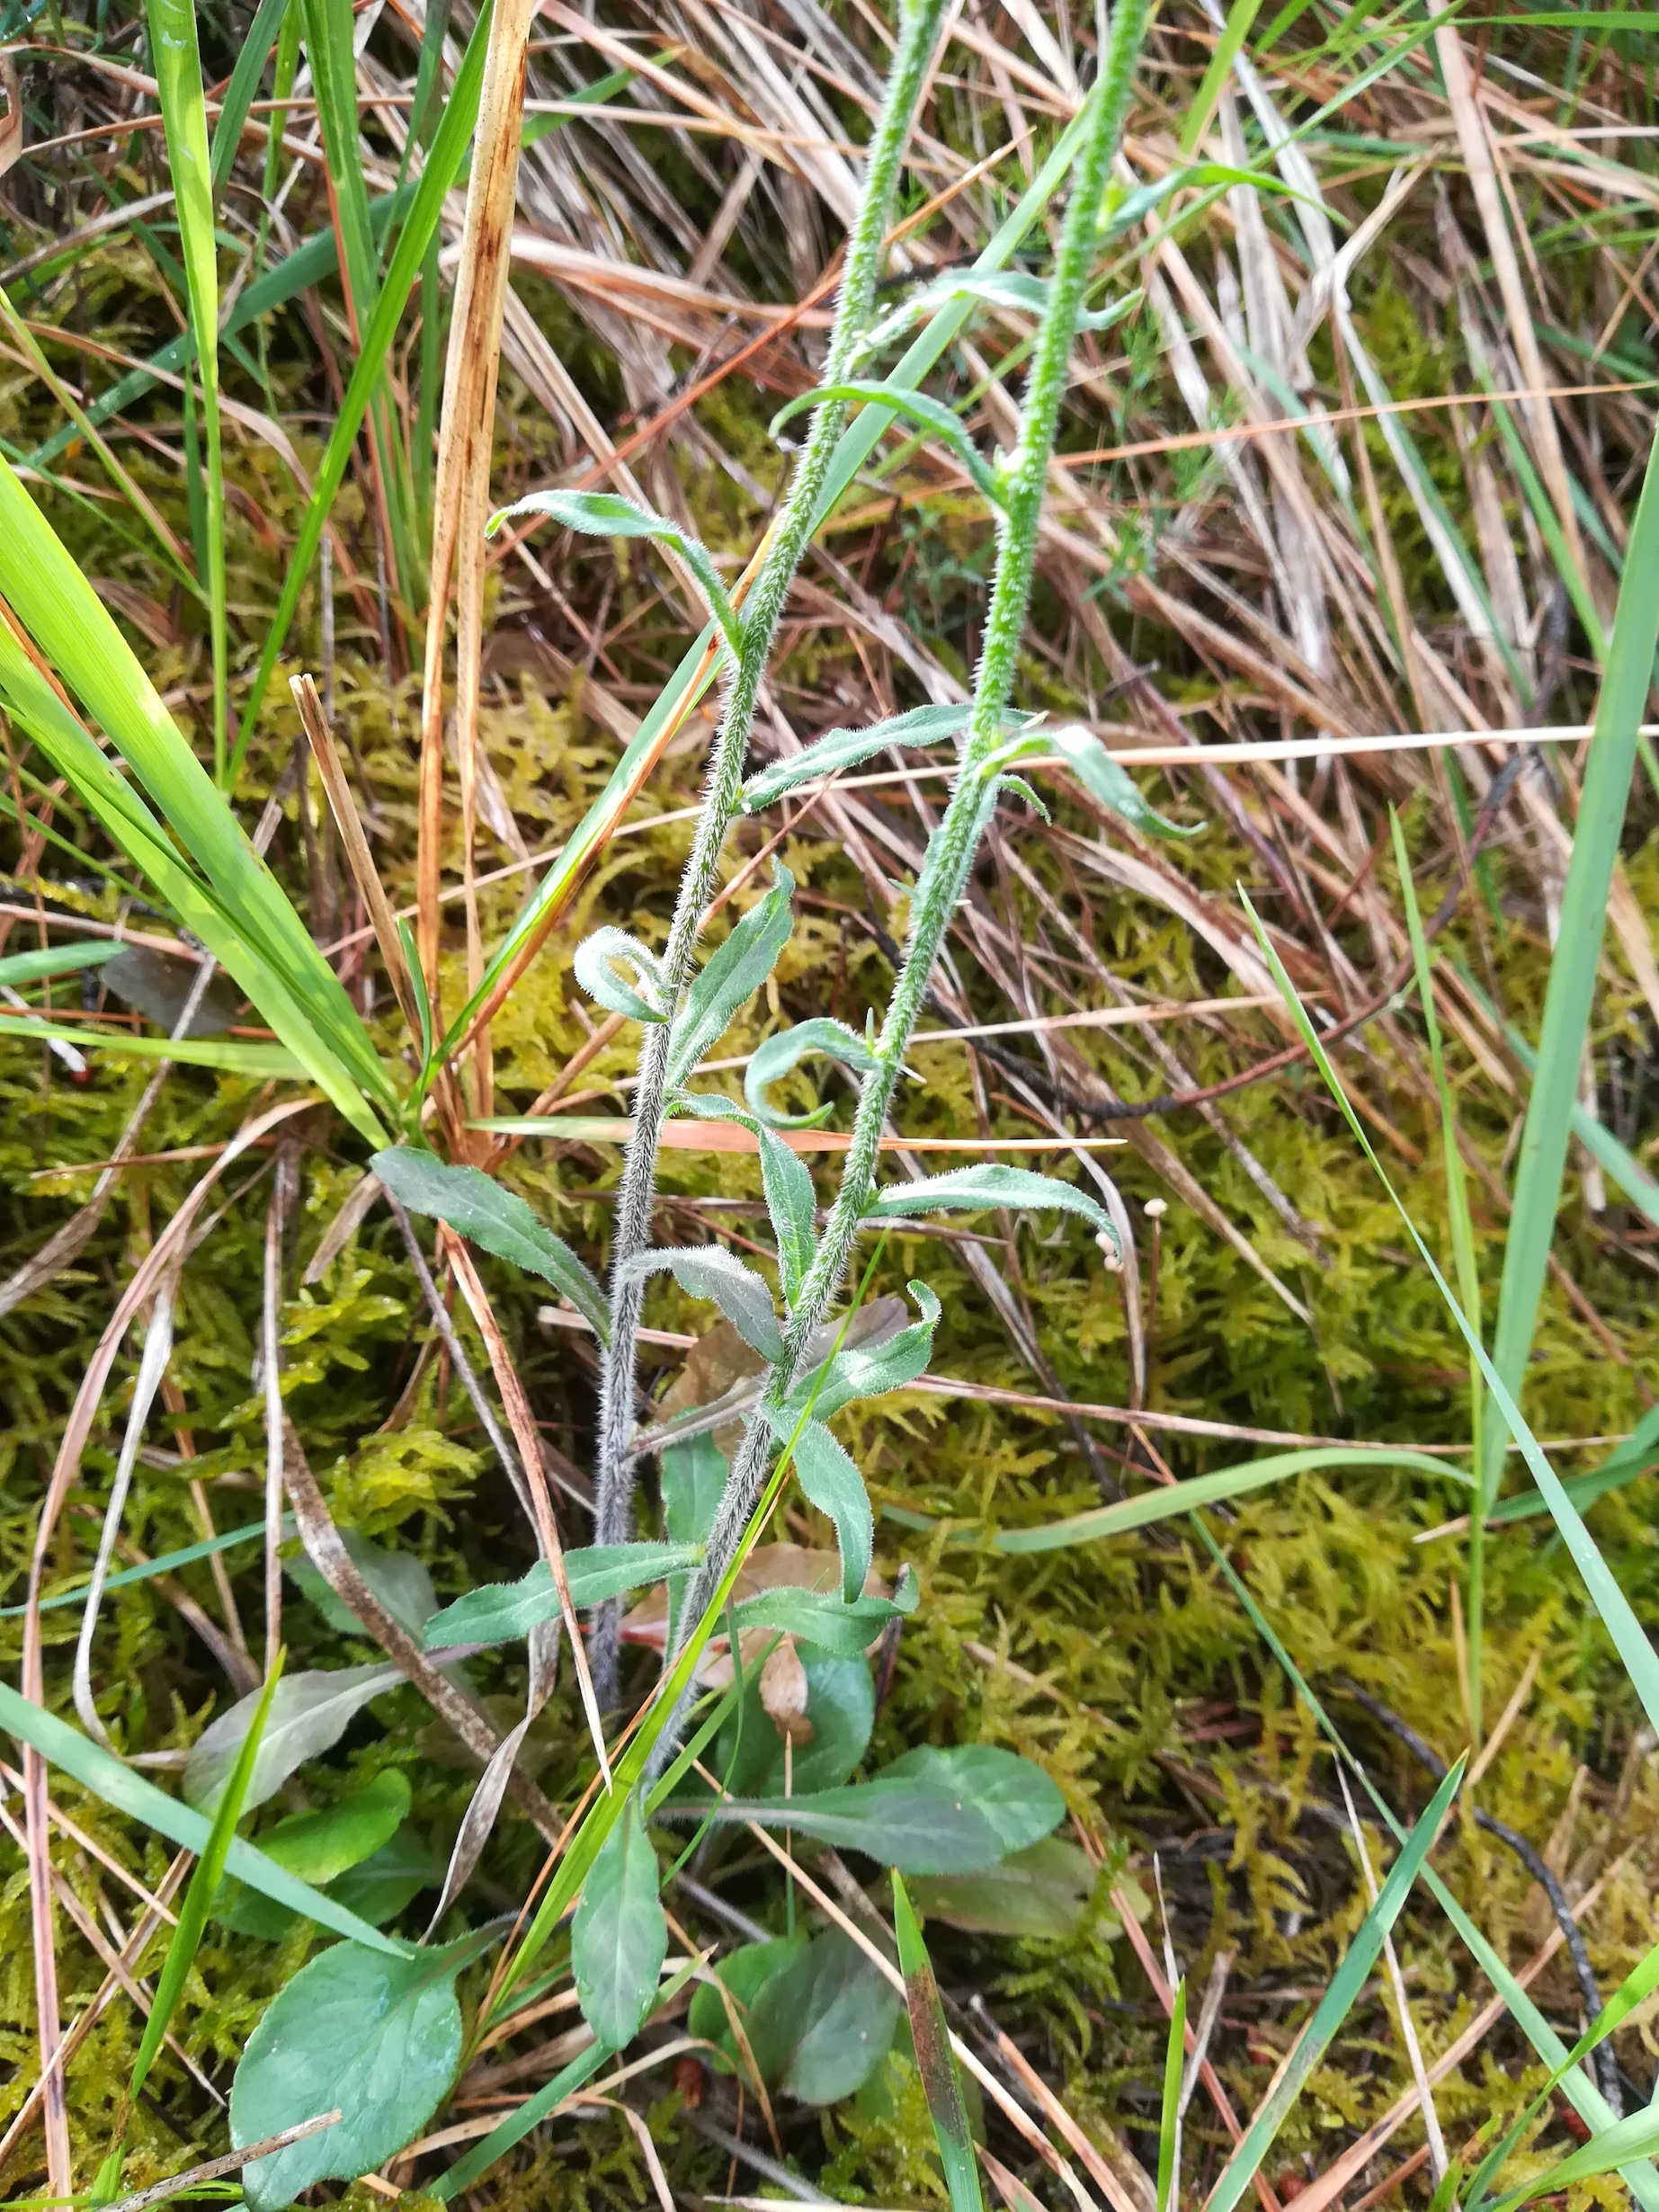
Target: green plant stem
x=866 y=243
x=974 y=794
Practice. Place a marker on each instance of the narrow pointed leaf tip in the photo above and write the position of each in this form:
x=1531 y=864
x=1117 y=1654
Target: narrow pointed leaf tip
x=1104 y=780
x=620 y=1938
x=821 y=1038
x=708 y=1272
x=482 y=1211
x=734 y=972
x=971 y=1190
x=604 y=514
x=927 y=415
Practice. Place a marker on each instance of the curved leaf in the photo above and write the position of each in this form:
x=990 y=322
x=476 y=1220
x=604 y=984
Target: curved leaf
x=595 y=971
x=866 y=1371
x=792 y=1204
x=732 y=976
x=1105 y=780
x=503 y=1612
x=935 y=2060
x=379 y=2038
x=604 y=514
x=58 y=960
x=847 y=1627
x=821 y=1039
x=620 y=1938
x=480 y=1210
x=917 y=407
x=710 y=1271
x=845 y=748
x=972 y=1189
x=824 y=2022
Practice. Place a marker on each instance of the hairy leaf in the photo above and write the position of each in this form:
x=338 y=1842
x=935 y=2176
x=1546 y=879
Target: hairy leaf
x=791 y=1204
x=821 y=1039
x=480 y=1210
x=1105 y=780
x=866 y=1371
x=595 y=971
x=847 y=1627
x=732 y=977
x=845 y=748
x=831 y=1479
x=710 y=1271
x=501 y=1612
x=917 y=407
x=972 y=1189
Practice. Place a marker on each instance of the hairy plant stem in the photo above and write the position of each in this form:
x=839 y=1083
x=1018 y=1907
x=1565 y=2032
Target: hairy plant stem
x=973 y=795
x=792 y=533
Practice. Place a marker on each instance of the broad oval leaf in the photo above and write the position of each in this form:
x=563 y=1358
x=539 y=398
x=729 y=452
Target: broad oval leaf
x=1105 y=780
x=310 y=1714
x=792 y=1205
x=501 y=1612
x=821 y=1039
x=973 y=1190
x=845 y=748
x=830 y=1477
x=866 y=1371
x=603 y=515
x=958 y=1811
x=645 y=999
x=917 y=407
x=840 y=1705
x=318 y=1846
x=826 y=2021
x=377 y=2038
x=745 y=1973
x=399 y=1579
x=480 y=1210
x=1041 y=1891
x=710 y=1271
x=620 y=1938
x=732 y=976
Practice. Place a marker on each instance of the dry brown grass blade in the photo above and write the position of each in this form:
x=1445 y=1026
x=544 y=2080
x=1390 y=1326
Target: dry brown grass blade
x=215 y=2169
x=528 y=1439
x=461 y=494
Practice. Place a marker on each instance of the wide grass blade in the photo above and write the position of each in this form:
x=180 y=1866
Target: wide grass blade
x=935 y=2060
x=223 y=893
x=442 y=166
x=117 y=1786
x=1542 y=1161
x=188 y=1929
x=1169 y=2119
x=177 y=64
x=1333 y=2007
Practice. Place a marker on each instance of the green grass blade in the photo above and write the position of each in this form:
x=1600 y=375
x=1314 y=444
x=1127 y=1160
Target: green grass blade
x=1542 y=1161
x=177 y=64
x=450 y=144
x=1240 y=17
x=231 y=1056
x=163 y=1562
x=261 y=36
x=1227 y=1482
x=1465 y=1266
x=935 y=2060
x=1169 y=2119
x=229 y=895
x=1333 y=2007
x=1630 y=1638
x=188 y=1931
x=115 y=1783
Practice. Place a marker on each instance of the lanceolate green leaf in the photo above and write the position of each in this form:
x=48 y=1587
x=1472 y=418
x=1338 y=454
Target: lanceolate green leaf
x=229 y=1055
x=606 y=515
x=710 y=1271
x=442 y=166
x=116 y=1784
x=183 y=107
x=244 y=83
x=481 y=1209
x=620 y=1938
x=935 y=2060
x=501 y=1612
x=731 y=976
x=1542 y=1159
x=829 y=1476
x=228 y=896
x=845 y=748
x=1333 y=2007
x=974 y=1189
